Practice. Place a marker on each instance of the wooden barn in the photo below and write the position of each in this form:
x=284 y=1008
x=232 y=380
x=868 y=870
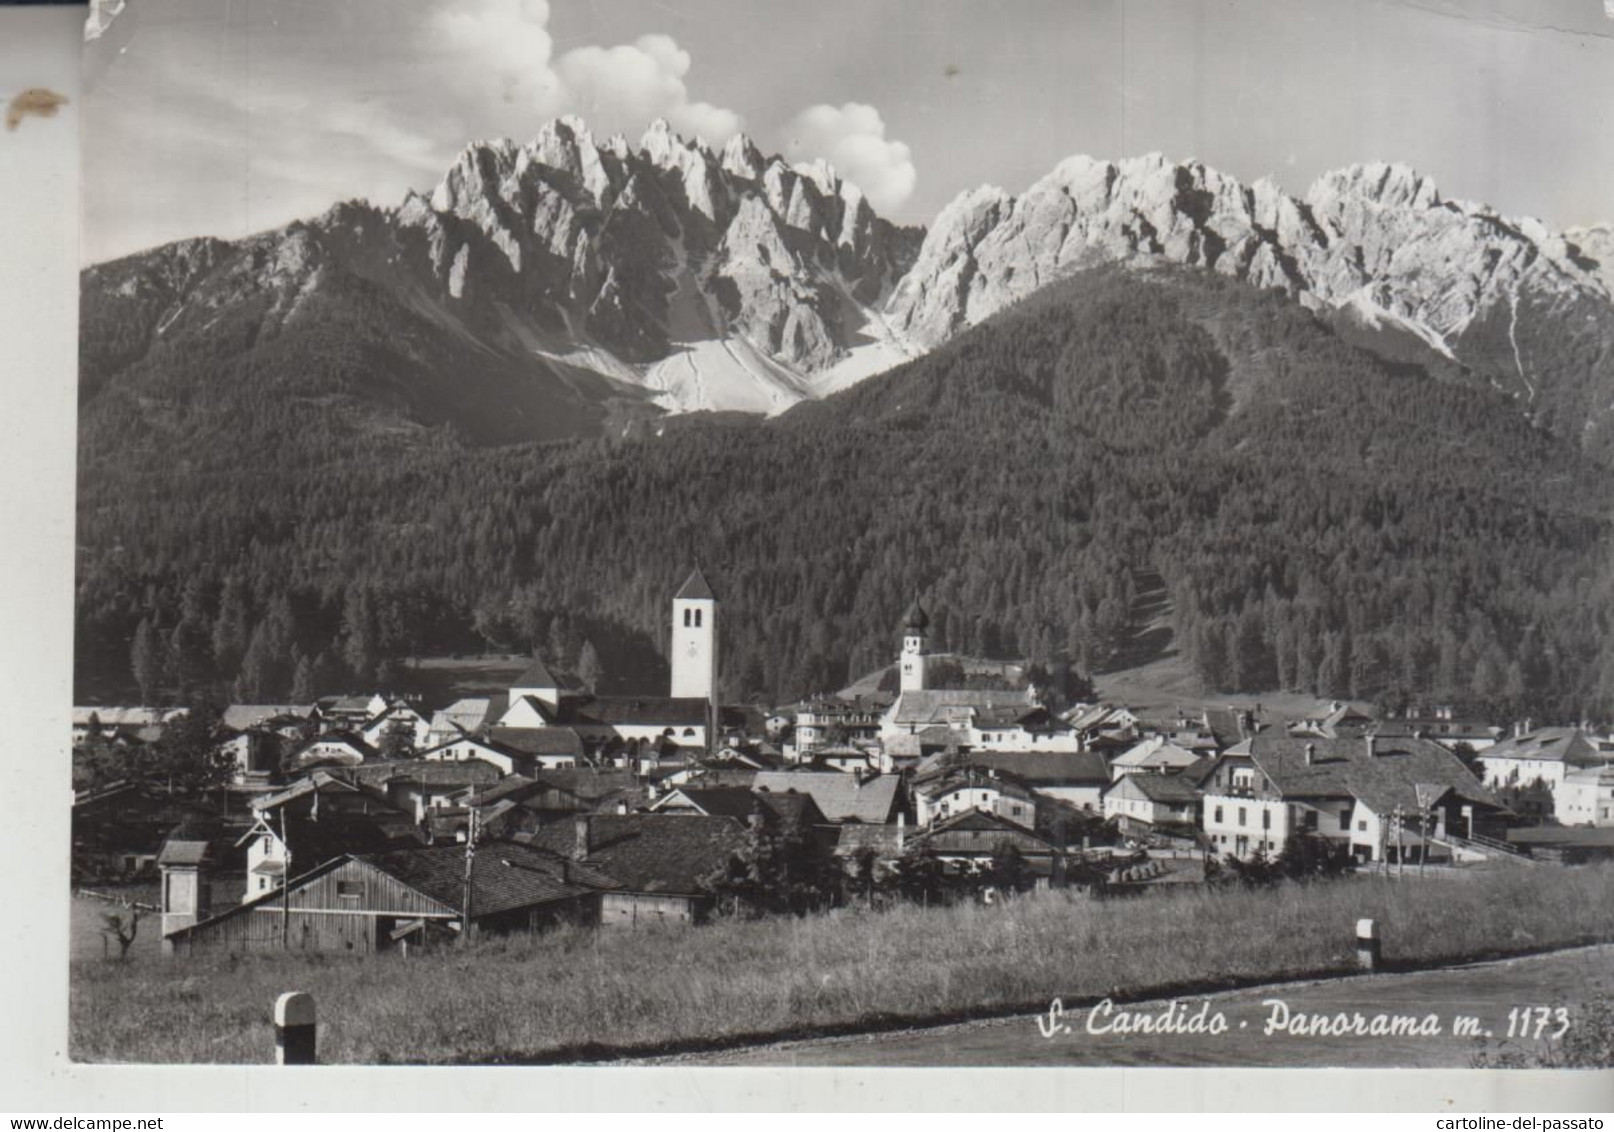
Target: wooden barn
x=377 y=901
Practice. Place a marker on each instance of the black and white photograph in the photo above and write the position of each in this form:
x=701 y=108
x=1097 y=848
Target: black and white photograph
x=870 y=533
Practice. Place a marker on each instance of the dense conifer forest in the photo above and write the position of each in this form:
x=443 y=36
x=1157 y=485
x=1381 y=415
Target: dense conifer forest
x=1324 y=520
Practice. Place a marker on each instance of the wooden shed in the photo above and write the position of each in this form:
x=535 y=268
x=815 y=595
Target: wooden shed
x=373 y=902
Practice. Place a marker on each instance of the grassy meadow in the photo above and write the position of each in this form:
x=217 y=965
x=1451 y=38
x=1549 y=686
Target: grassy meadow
x=577 y=993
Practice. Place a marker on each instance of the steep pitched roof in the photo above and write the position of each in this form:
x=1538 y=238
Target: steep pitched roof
x=650 y=853
x=1041 y=770
x=1158 y=753
x=530 y=877
x=1401 y=772
x=538 y=740
x=695 y=589
x=930 y=706
x=642 y=711
x=979 y=831
x=1569 y=745
x=1165 y=789
x=841 y=797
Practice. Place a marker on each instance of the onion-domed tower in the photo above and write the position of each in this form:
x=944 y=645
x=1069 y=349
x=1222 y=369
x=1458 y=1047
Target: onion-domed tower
x=914 y=627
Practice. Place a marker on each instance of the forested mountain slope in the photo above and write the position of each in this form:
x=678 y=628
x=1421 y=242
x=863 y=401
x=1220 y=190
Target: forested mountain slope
x=1325 y=520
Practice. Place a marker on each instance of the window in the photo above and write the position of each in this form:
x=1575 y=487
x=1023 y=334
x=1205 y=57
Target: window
x=1362 y=825
x=349 y=893
x=1344 y=819
x=697 y=619
x=1241 y=815
x=1266 y=819
x=688 y=618
x=1218 y=813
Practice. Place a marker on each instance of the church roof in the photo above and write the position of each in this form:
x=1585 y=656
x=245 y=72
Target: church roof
x=695 y=589
x=916 y=617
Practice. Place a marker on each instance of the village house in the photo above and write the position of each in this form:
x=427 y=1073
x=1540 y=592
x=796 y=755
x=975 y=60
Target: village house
x=1142 y=803
x=968 y=842
x=102 y=722
x=830 y=722
x=350 y=713
x=374 y=902
x=1079 y=778
x=1334 y=720
x=396 y=717
x=871 y=799
x=1154 y=756
x=1442 y=726
x=119 y=829
x=1386 y=798
x=1586 y=797
x=320 y=816
x=1103 y=726
x=661 y=864
x=789 y=809
x=948 y=793
x=334 y=748
x=470 y=716
x=1547 y=756
x=418 y=785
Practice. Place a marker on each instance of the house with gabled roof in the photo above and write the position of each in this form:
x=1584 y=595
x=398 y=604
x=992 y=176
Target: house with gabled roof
x=1079 y=778
x=1154 y=756
x=1384 y=797
x=661 y=863
x=1547 y=755
x=1149 y=803
x=469 y=716
x=334 y=748
x=871 y=799
x=947 y=792
x=1586 y=796
x=378 y=901
x=396 y=716
x=739 y=803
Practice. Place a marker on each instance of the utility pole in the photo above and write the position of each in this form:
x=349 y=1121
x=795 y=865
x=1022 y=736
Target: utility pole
x=285 y=884
x=470 y=859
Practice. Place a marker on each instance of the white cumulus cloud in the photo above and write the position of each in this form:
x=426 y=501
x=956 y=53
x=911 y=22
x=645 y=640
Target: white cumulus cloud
x=627 y=86
x=852 y=139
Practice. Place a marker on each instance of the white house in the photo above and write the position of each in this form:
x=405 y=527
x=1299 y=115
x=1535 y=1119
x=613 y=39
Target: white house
x=1153 y=800
x=399 y=715
x=1586 y=797
x=959 y=792
x=1547 y=756
x=1154 y=756
x=1377 y=795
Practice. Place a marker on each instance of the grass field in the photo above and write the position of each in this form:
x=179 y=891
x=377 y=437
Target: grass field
x=566 y=994
x=90 y=942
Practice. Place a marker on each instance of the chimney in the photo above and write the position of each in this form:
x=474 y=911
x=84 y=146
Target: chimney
x=584 y=844
x=902 y=830
x=1311 y=752
x=1372 y=744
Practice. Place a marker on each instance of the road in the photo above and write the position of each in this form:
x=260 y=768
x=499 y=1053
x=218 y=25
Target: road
x=1485 y=991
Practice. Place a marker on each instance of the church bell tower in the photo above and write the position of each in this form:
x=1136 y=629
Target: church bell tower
x=694 y=640
x=913 y=648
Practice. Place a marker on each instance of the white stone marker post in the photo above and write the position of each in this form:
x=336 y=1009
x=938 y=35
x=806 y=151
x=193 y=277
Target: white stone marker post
x=294 y=1029
x=1367 y=945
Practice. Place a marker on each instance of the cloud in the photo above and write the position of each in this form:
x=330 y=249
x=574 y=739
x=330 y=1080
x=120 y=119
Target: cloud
x=626 y=87
x=852 y=139
x=208 y=123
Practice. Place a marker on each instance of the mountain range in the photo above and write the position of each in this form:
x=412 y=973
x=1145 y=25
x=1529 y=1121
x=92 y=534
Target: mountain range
x=570 y=285
x=1360 y=439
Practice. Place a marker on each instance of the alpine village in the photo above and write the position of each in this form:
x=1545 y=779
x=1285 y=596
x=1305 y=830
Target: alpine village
x=864 y=615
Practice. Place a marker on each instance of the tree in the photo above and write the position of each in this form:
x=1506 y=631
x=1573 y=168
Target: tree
x=589 y=670
x=303 y=688
x=1307 y=856
x=122 y=928
x=1008 y=869
x=146 y=660
x=398 y=741
x=781 y=868
x=190 y=757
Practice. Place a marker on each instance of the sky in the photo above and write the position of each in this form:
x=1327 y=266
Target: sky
x=224 y=117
